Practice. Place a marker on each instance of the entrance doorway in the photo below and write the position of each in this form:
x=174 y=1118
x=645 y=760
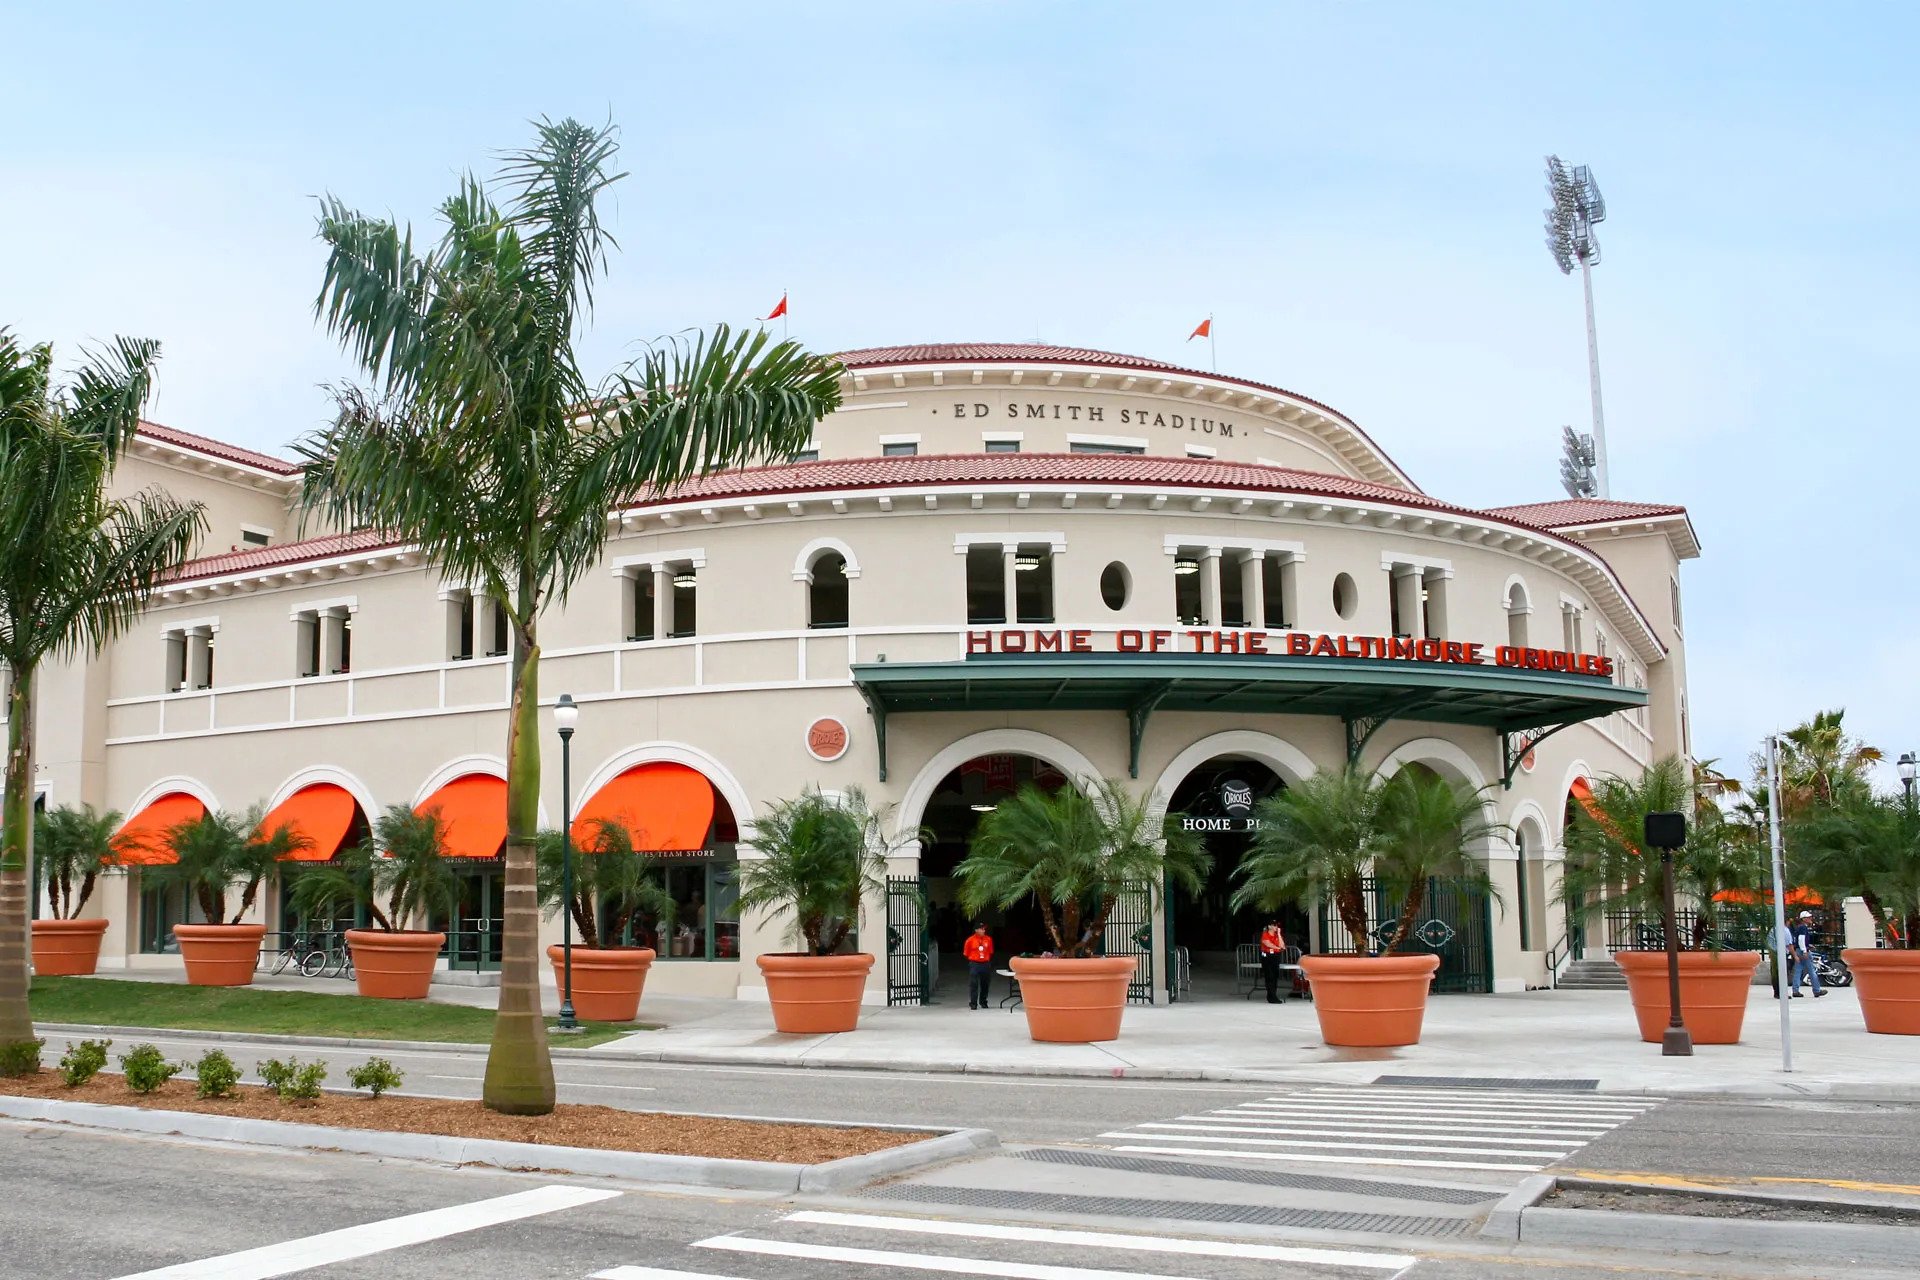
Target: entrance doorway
x=1205 y=935
x=953 y=813
x=479 y=921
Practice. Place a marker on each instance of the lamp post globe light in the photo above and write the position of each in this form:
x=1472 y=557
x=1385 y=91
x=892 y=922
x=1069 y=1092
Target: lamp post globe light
x=565 y=716
x=1906 y=768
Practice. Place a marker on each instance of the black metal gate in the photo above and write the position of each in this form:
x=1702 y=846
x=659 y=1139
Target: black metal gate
x=1130 y=933
x=907 y=940
x=1455 y=922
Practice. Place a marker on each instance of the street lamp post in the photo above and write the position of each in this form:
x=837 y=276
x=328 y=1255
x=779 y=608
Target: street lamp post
x=565 y=716
x=1906 y=768
x=1667 y=832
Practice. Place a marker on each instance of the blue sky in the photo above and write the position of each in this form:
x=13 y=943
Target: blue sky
x=1353 y=191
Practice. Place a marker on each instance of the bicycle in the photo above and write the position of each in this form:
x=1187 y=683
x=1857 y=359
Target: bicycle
x=299 y=952
x=337 y=959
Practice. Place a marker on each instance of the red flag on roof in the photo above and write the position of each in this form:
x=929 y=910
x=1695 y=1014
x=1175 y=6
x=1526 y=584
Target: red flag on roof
x=1202 y=330
x=779 y=309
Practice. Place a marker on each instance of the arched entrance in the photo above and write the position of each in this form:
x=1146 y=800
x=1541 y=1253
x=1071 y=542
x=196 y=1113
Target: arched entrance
x=958 y=802
x=1208 y=940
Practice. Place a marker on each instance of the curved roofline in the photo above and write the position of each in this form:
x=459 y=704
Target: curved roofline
x=1012 y=353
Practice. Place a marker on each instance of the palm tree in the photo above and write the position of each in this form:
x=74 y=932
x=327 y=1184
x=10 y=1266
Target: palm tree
x=612 y=883
x=220 y=852
x=1076 y=855
x=1819 y=762
x=1315 y=839
x=402 y=878
x=1866 y=846
x=76 y=569
x=71 y=847
x=1605 y=866
x=1427 y=827
x=819 y=859
x=481 y=440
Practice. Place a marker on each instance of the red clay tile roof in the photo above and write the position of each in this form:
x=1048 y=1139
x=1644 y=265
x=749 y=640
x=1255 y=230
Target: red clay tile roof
x=256 y=558
x=1567 y=512
x=1039 y=353
x=218 y=449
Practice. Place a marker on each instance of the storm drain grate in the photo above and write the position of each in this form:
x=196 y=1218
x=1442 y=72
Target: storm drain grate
x=1398 y=1224
x=1264 y=1177
x=1484 y=1082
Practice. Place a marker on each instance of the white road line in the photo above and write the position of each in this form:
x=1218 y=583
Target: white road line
x=653 y=1273
x=1233 y=1129
x=1459 y=1104
x=1480 y=1113
x=564 y=1084
x=1591 y=1099
x=1107 y=1240
x=1314 y=1157
x=926 y=1261
x=1341 y=1146
x=378 y=1237
x=1263 y=1120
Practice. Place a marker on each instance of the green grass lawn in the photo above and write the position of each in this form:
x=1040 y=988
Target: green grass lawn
x=178 y=1007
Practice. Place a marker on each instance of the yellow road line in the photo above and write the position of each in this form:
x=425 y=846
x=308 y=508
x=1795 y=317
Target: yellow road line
x=1712 y=1180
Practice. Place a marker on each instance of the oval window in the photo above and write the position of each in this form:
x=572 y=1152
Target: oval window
x=1115 y=585
x=1346 y=597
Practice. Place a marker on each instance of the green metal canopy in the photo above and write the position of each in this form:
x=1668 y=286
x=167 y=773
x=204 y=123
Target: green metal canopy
x=1364 y=693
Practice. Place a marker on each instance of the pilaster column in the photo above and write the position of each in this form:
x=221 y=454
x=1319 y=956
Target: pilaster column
x=1289 y=592
x=199 y=658
x=1210 y=586
x=1253 y=584
x=1406 y=589
x=662 y=601
x=1009 y=576
x=329 y=624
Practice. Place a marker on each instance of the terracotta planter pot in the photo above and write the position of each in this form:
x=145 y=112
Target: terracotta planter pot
x=1713 y=992
x=1888 y=983
x=395 y=965
x=1370 y=1001
x=67 y=948
x=1073 y=1001
x=607 y=982
x=813 y=995
x=220 y=955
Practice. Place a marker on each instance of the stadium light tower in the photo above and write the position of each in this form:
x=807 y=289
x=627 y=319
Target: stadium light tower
x=1577 y=205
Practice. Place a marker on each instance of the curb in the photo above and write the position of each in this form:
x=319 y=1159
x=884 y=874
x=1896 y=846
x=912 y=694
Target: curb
x=1521 y=1218
x=1119 y=1071
x=709 y=1172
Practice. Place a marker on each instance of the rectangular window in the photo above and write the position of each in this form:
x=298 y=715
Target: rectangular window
x=462 y=627
x=899 y=450
x=1033 y=582
x=640 y=619
x=1003 y=446
x=1187 y=603
x=1673 y=591
x=1082 y=446
x=1396 y=621
x=346 y=647
x=497 y=629
x=176 y=658
x=1433 y=605
x=1233 y=596
x=1273 y=587
x=986 y=584
x=706 y=916
x=1202 y=451
x=306 y=657
x=684 y=601
x=805 y=455
x=255 y=537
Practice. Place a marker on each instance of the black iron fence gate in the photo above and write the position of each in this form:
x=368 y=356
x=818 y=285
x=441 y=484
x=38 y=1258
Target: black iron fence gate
x=1455 y=922
x=1130 y=933
x=907 y=940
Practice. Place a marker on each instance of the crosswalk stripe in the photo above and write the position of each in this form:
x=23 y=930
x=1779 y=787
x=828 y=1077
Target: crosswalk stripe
x=1526 y=1095
x=1321 y=1157
x=1335 y=1114
x=925 y=1261
x=1495 y=1104
x=1263 y=1120
x=1486 y=1113
x=1327 y=1133
x=1339 y=1146
x=653 y=1273
x=1107 y=1240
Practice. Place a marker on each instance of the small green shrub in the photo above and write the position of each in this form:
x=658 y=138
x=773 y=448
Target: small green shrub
x=292 y=1079
x=215 y=1075
x=82 y=1061
x=21 y=1057
x=376 y=1077
x=147 y=1068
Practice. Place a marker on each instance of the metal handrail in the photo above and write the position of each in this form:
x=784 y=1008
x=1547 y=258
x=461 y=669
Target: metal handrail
x=1555 y=960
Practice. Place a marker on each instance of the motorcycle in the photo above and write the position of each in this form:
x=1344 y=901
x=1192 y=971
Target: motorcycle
x=1833 y=970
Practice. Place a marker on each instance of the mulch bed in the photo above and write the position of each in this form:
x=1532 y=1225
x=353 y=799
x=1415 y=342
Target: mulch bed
x=570 y=1125
x=1701 y=1206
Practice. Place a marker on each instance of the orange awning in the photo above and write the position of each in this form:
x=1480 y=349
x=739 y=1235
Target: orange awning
x=142 y=838
x=665 y=806
x=1798 y=896
x=322 y=812
x=473 y=811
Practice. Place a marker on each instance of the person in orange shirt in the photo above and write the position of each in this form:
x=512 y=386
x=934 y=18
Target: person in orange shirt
x=979 y=953
x=1273 y=947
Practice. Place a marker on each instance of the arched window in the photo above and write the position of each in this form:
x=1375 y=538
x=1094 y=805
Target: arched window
x=1518 y=610
x=827 y=591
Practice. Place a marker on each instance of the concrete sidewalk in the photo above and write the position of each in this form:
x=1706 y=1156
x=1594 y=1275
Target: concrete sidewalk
x=1549 y=1035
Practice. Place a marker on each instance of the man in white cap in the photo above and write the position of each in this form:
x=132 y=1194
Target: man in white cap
x=1800 y=956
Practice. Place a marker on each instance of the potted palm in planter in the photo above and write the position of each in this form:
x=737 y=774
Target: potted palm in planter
x=1075 y=855
x=1868 y=847
x=219 y=858
x=613 y=885
x=401 y=879
x=1322 y=838
x=818 y=860
x=72 y=848
x=1606 y=870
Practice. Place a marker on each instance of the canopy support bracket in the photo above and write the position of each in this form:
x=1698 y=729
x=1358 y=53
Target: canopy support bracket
x=878 y=710
x=1137 y=717
x=1361 y=728
x=1515 y=747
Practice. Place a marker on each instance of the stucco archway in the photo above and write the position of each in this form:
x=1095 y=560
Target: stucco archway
x=1020 y=742
x=361 y=793
x=176 y=784
x=673 y=753
x=1285 y=759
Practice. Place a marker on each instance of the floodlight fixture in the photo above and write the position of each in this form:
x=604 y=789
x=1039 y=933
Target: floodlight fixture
x=1577 y=206
x=1576 y=464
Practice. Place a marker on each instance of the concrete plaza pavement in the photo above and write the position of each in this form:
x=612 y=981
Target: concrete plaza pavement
x=1551 y=1035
